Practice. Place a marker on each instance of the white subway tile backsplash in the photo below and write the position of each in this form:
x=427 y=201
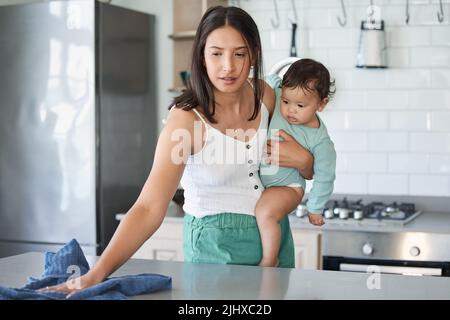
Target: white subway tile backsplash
x=441 y=78
x=430 y=142
x=334 y=120
x=420 y=14
x=318 y=18
x=364 y=4
x=315 y=54
x=410 y=121
x=440 y=35
x=429 y=185
x=440 y=121
x=341 y=163
x=388 y=184
x=387 y=141
x=265 y=5
x=271 y=58
x=343 y=78
x=408 y=36
x=391 y=127
x=410 y=79
x=429 y=99
x=430 y=57
x=386 y=99
x=369 y=79
x=440 y=164
x=351 y=183
x=347 y=100
x=366 y=162
x=276 y=40
x=349 y=141
x=320 y=4
x=334 y=38
x=342 y=58
x=408 y=162
x=398 y=57
x=367 y=121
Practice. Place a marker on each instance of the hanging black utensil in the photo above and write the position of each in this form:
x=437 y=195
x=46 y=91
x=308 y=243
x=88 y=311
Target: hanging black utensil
x=293 y=47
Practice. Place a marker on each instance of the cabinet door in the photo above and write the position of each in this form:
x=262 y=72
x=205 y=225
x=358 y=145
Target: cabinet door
x=307 y=249
x=161 y=249
x=165 y=244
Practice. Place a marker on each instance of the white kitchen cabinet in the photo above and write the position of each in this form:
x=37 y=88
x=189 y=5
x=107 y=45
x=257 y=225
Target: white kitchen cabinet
x=307 y=249
x=165 y=244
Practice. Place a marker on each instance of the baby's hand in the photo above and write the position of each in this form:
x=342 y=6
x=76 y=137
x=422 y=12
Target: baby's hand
x=316 y=219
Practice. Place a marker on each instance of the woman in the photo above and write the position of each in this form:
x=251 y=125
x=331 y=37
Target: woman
x=220 y=110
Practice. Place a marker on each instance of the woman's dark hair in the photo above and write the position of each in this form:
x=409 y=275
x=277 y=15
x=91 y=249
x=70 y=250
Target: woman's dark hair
x=199 y=91
x=306 y=72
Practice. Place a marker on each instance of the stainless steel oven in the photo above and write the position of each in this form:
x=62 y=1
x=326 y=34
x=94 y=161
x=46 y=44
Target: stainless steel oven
x=408 y=253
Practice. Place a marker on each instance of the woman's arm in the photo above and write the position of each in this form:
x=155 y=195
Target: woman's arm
x=290 y=153
x=148 y=212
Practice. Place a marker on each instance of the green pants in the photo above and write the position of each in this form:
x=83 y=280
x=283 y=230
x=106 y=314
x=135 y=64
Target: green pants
x=231 y=238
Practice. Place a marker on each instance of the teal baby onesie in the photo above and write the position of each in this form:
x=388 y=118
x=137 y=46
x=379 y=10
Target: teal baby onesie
x=317 y=141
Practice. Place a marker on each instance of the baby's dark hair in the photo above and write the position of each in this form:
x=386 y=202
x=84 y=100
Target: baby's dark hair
x=306 y=72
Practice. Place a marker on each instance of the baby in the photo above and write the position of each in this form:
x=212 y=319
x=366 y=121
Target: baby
x=304 y=91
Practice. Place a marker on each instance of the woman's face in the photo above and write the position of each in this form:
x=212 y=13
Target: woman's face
x=227 y=59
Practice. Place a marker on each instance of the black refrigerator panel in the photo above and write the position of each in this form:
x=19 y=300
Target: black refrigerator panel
x=126 y=113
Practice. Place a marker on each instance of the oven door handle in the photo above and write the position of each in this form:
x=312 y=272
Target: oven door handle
x=415 y=271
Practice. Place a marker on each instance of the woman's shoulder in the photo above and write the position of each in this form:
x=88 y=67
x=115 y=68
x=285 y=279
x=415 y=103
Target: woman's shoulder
x=181 y=118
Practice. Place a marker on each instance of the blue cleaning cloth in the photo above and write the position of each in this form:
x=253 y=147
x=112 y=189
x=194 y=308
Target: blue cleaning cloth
x=60 y=266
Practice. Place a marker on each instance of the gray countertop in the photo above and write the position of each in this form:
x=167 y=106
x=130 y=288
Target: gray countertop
x=232 y=282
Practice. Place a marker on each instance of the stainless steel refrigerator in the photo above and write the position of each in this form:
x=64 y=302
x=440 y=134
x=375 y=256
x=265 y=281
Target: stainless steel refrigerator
x=78 y=121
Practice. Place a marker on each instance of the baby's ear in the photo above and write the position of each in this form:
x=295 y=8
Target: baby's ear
x=323 y=103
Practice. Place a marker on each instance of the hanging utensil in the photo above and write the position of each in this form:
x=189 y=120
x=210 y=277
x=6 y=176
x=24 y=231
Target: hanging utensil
x=281 y=67
x=440 y=13
x=407 y=11
x=372 y=41
x=293 y=50
x=343 y=21
x=275 y=23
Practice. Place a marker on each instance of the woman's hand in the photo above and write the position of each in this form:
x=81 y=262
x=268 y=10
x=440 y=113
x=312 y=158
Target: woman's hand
x=74 y=285
x=289 y=153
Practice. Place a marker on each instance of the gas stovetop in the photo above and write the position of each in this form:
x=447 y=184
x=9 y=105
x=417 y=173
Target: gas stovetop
x=344 y=212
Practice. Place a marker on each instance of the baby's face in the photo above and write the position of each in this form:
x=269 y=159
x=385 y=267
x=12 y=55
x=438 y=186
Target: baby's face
x=299 y=106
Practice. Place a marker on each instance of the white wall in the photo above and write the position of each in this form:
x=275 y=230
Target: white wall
x=391 y=127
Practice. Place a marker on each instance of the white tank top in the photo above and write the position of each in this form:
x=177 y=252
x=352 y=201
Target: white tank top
x=223 y=175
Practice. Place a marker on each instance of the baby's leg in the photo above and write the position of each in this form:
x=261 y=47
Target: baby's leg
x=275 y=203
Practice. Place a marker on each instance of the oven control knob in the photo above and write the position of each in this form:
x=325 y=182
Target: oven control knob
x=367 y=249
x=414 y=251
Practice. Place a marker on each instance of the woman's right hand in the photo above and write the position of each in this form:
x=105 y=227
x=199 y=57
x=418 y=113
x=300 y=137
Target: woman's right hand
x=74 y=285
